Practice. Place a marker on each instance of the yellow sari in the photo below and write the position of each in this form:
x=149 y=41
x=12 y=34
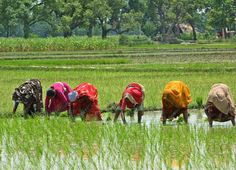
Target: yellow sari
x=177 y=94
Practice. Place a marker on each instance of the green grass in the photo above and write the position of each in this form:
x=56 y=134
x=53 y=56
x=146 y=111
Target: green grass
x=110 y=84
x=63 y=62
x=199 y=70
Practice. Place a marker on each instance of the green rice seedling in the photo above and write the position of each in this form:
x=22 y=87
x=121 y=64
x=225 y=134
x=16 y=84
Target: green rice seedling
x=42 y=142
x=199 y=102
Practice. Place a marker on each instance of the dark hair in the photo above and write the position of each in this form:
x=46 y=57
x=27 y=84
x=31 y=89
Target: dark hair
x=51 y=92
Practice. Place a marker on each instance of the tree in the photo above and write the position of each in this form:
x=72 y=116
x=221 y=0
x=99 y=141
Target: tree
x=8 y=17
x=166 y=15
x=28 y=13
x=98 y=12
x=194 y=10
x=112 y=15
x=113 y=23
x=221 y=14
x=68 y=13
x=157 y=13
x=123 y=17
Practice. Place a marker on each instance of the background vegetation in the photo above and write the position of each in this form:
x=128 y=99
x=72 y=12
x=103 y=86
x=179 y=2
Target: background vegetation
x=163 y=20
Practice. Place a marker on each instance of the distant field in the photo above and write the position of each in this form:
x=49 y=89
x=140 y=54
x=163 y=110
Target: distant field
x=97 y=43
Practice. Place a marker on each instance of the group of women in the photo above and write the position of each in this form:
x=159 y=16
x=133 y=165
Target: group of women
x=83 y=101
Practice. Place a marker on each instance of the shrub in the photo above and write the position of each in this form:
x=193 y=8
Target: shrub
x=134 y=40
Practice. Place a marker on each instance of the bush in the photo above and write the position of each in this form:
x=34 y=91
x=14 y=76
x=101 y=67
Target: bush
x=134 y=40
x=186 y=36
x=124 y=40
x=233 y=39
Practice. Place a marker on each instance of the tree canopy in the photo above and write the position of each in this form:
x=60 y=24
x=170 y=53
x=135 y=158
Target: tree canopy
x=149 y=17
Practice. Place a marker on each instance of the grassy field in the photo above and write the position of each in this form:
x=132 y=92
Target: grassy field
x=63 y=144
x=111 y=70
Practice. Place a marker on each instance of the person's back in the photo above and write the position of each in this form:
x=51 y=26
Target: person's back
x=220 y=105
x=30 y=94
x=57 y=97
x=175 y=99
x=132 y=98
x=84 y=102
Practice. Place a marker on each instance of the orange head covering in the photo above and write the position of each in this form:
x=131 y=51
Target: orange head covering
x=177 y=94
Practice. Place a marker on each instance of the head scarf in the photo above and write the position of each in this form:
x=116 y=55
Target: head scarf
x=222 y=99
x=72 y=96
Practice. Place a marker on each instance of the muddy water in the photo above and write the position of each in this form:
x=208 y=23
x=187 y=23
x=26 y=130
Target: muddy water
x=197 y=117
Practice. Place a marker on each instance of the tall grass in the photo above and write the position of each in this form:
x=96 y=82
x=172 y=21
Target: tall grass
x=57 y=44
x=95 y=43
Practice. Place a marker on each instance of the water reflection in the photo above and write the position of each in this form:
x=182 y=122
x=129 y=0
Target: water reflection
x=197 y=117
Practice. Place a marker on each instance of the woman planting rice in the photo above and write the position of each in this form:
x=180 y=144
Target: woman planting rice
x=30 y=94
x=175 y=100
x=84 y=102
x=132 y=97
x=220 y=105
x=57 y=98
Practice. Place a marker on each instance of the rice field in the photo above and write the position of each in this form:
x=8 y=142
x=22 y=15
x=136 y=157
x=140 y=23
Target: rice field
x=58 y=143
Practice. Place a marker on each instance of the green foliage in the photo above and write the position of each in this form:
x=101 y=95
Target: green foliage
x=151 y=17
x=133 y=40
x=8 y=16
x=221 y=15
x=149 y=29
x=233 y=39
x=186 y=36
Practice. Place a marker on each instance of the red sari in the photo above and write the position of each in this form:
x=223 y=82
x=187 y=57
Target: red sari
x=134 y=92
x=87 y=95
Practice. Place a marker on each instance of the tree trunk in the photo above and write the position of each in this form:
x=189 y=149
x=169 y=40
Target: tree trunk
x=26 y=29
x=223 y=33
x=104 y=32
x=8 y=31
x=67 y=34
x=170 y=29
x=194 y=32
x=90 y=31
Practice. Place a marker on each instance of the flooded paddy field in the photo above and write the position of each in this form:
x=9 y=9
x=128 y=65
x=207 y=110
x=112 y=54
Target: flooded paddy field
x=59 y=143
